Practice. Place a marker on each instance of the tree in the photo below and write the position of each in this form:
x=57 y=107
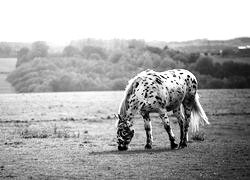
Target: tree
x=39 y=49
x=115 y=57
x=228 y=52
x=136 y=44
x=167 y=63
x=88 y=50
x=193 y=57
x=95 y=56
x=5 y=50
x=181 y=57
x=70 y=51
x=22 y=56
x=204 y=65
x=154 y=50
x=119 y=84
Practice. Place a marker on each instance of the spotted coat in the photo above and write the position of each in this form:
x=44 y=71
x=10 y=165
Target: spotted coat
x=159 y=92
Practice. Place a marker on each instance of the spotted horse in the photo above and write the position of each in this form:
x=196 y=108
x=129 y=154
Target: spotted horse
x=160 y=92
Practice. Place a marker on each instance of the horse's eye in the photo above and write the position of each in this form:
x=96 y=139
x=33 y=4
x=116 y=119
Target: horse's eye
x=124 y=133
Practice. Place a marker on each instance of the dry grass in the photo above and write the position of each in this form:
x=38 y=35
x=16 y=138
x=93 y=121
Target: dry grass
x=198 y=136
x=53 y=131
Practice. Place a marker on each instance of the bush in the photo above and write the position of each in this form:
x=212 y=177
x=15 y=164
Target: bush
x=168 y=63
x=181 y=57
x=22 y=56
x=215 y=83
x=154 y=50
x=95 y=56
x=193 y=57
x=228 y=52
x=119 y=84
x=70 y=51
x=38 y=49
x=88 y=50
x=238 y=82
x=115 y=57
x=38 y=131
x=204 y=65
x=198 y=136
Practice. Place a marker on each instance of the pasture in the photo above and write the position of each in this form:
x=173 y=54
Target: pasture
x=6 y=66
x=72 y=136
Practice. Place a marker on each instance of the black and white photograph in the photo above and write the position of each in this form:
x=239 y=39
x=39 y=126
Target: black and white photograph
x=124 y=89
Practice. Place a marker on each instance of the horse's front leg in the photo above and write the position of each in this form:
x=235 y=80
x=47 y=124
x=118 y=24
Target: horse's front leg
x=148 y=129
x=165 y=120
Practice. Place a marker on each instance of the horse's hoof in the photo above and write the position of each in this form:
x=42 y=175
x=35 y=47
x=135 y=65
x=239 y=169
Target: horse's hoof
x=148 y=146
x=122 y=148
x=174 y=146
x=182 y=145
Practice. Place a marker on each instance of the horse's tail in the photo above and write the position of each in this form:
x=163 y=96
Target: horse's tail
x=198 y=115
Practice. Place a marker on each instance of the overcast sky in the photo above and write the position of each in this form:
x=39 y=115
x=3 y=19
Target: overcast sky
x=60 y=21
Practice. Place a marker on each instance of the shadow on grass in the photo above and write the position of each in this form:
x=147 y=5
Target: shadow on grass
x=134 y=151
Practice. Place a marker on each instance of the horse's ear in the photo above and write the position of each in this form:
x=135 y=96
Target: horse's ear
x=117 y=117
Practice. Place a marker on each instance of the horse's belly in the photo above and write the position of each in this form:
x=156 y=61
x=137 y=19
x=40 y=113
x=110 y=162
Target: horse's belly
x=175 y=98
x=172 y=107
x=160 y=96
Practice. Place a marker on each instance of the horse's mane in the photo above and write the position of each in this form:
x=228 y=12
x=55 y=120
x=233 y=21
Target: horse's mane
x=128 y=91
x=124 y=103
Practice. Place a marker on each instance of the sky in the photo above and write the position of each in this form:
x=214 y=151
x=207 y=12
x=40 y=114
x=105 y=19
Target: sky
x=60 y=21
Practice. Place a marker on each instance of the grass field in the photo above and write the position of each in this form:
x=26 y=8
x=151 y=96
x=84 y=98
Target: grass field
x=6 y=66
x=72 y=136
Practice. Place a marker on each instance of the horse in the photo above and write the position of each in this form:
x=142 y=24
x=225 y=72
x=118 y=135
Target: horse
x=160 y=92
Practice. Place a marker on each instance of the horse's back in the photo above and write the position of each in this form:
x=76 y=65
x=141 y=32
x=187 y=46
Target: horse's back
x=182 y=86
x=186 y=78
x=164 y=89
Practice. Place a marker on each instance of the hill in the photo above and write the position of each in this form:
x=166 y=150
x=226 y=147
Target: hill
x=203 y=45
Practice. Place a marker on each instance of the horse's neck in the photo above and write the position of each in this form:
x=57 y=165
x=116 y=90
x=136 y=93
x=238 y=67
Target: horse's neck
x=122 y=109
x=125 y=112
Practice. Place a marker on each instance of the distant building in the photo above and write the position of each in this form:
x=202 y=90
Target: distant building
x=244 y=51
x=244 y=47
x=220 y=52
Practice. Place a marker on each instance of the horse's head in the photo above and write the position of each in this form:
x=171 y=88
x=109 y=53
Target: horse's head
x=124 y=133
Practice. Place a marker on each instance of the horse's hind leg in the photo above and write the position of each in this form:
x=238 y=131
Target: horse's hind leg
x=148 y=129
x=187 y=112
x=181 y=119
x=165 y=120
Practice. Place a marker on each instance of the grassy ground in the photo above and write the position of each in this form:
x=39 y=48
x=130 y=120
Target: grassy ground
x=6 y=66
x=72 y=136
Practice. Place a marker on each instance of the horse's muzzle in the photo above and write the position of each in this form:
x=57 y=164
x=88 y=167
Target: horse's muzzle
x=122 y=148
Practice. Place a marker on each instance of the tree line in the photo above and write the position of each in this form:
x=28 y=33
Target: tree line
x=93 y=67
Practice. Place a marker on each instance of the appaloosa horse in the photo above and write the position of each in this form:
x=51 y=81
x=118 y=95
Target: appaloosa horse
x=160 y=92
